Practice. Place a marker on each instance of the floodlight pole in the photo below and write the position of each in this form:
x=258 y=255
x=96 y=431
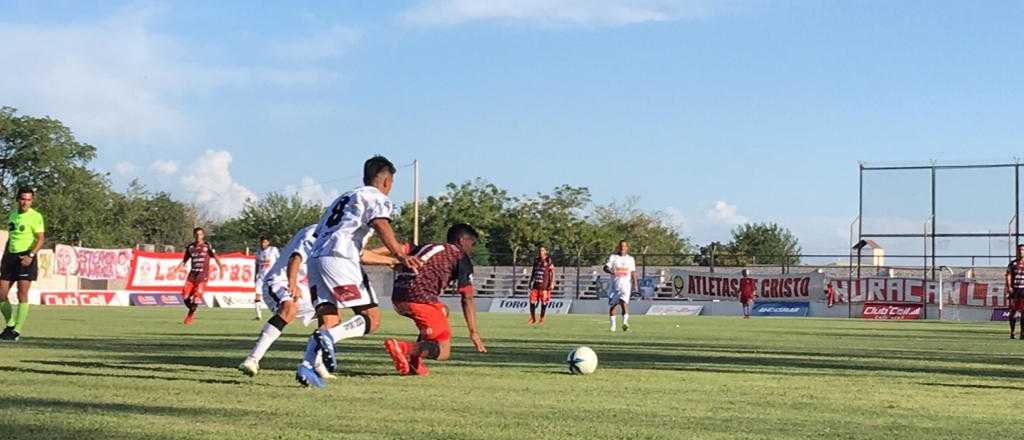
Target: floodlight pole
x=941 y=269
x=416 y=202
x=934 y=222
x=1016 y=204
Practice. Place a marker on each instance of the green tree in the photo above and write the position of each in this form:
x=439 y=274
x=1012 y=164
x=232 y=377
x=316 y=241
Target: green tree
x=43 y=154
x=476 y=202
x=765 y=243
x=145 y=217
x=275 y=216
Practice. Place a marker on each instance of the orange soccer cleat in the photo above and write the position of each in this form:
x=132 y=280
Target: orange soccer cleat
x=401 y=359
x=418 y=366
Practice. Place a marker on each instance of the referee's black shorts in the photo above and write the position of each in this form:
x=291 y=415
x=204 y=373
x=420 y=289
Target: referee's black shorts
x=12 y=270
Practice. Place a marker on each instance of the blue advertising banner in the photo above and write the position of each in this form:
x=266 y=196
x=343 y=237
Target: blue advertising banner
x=781 y=309
x=157 y=299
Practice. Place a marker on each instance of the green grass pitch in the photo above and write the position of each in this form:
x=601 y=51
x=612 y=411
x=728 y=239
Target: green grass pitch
x=136 y=373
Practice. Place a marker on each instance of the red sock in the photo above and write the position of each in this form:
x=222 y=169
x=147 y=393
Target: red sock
x=407 y=346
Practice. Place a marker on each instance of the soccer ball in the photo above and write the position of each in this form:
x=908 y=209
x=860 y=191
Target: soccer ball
x=582 y=360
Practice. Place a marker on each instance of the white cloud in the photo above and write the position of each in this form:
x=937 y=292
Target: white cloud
x=211 y=186
x=164 y=167
x=326 y=45
x=312 y=191
x=120 y=81
x=723 y=212
x=124 y=168
x=562 y=12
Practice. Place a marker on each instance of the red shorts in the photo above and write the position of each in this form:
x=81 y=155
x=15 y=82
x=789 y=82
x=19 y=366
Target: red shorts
x=430 y=319
x=1015 y=304
x=194 y=289
x=543 y=296
x=746 y=300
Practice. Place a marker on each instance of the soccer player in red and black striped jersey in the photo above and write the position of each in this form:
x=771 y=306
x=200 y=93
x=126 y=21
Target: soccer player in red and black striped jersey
x=417 y=296
x=542 y=281
x=199 y=252
x=746 y=293
x=1015 y=291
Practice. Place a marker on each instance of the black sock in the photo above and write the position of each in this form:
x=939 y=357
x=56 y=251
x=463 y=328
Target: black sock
x=543 y=310
x=533 y=311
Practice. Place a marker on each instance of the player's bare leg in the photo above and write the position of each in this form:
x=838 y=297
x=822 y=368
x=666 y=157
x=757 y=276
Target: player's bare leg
x=1013 y=324
x=6 y=307
x=271 y=331
x=625 y=315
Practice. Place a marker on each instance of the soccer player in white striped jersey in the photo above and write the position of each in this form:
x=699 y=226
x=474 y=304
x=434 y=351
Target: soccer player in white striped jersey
x=266 y=256
x=285 y=291
x=622 y=267
x=336 y=277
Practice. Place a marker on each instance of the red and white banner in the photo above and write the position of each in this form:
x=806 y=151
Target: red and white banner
x=914 y=290
x=890 y=311
x=94 y=264
x=152 y=272
x=796 y=287
x=82 y=298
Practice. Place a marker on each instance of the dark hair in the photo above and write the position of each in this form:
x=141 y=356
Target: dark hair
x=459 y=230
x=264 y=237
x=26 y=190
x=197 y=229
x=623 y=241
x=374 y=166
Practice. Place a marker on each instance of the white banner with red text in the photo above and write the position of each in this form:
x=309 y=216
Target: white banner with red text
x=153 y=272
x=726 y=286
x=93 y=264
x=916 y=290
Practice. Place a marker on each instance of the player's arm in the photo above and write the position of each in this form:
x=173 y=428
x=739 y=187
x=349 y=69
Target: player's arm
x=1009 y=283
x=294 y=264
x=468 y=293
x=27 y=260
x=387 y=236
x=370 y=258
x=608 y=266
x=181 y=265
x=213 y=254
x=551 y=278
x=636 y=280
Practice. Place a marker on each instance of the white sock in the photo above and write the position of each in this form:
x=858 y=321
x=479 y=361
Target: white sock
x=267 y=337
x=353 y=328
x=612 y=318
x=259 y=311
x=625 y=319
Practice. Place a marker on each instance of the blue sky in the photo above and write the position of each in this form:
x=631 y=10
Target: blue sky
x=716 y=112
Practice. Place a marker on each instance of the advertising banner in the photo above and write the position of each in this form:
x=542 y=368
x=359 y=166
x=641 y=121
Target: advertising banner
x=235 y=300
x=674 y=310
x=1001 y=314
x=784 y=287
x=157 y=299
x=913 y=290
x=83 y=298
x=152 y=272
x=800 y=309
x=93 y=264
x=890 y=311
x=557 y=306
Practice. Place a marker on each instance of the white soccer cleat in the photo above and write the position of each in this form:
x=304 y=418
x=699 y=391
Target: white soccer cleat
x=321 y=371
x=249 y=367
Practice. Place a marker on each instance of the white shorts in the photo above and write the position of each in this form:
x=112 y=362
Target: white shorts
x=275 y=294
x=620 y=291
x=339 y=281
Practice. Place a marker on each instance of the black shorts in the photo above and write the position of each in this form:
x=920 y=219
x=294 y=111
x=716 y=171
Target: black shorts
x=1016 y=293
x=12 y=270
